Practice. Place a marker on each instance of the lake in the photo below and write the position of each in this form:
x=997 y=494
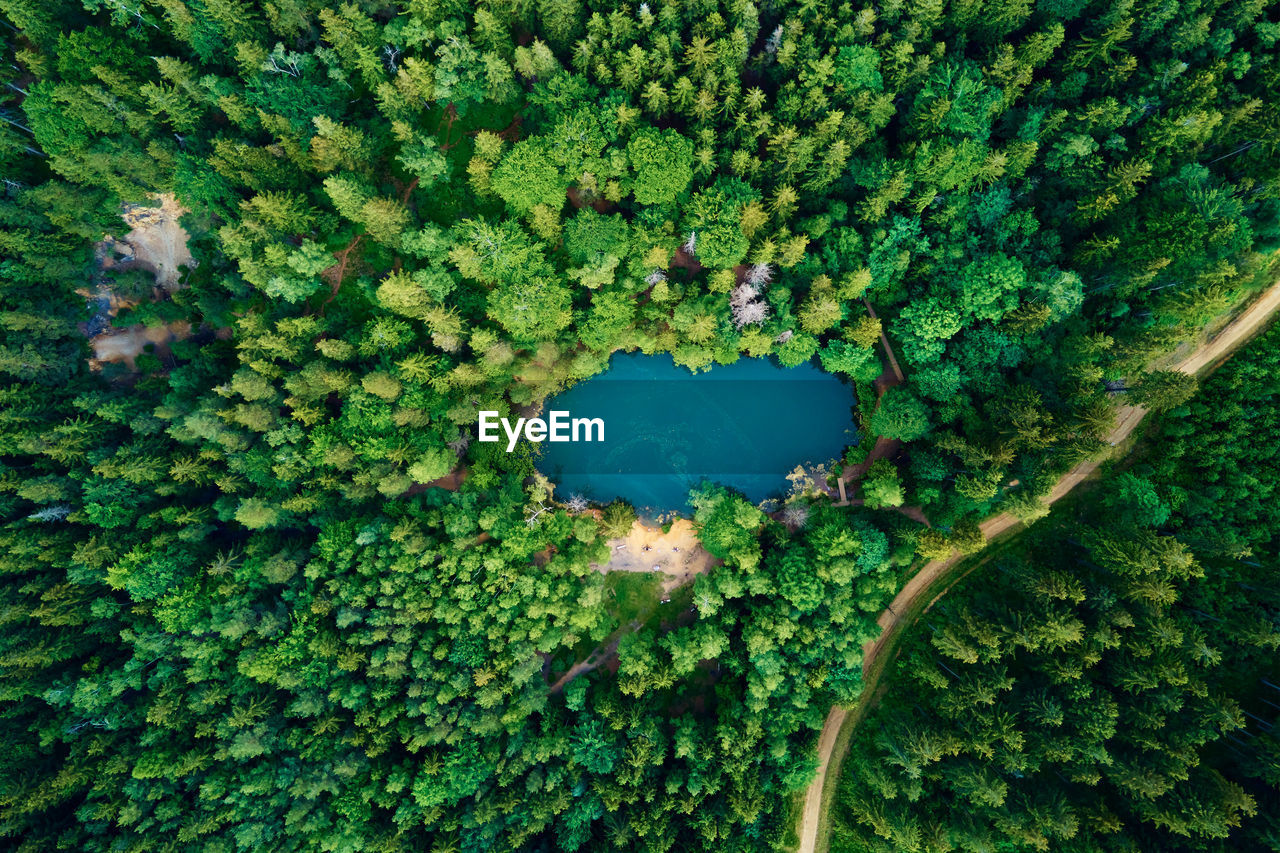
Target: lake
x=745 y=425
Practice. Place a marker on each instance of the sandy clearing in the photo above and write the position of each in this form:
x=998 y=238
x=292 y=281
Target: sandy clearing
x=125 y=345
x=157 y=241
x=677 y=554
x=1240 y=329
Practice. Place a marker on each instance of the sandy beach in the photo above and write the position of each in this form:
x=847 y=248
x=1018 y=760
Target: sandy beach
x=677 y=554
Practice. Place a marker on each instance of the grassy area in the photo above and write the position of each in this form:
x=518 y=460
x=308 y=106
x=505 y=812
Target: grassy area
x=633 y=596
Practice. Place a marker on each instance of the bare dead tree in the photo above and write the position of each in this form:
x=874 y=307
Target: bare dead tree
x=751 y=314
x=759 y=275
x=742 y=295
x=774 y=41
x=795 y=515
x=539 y=511
x=390 y=55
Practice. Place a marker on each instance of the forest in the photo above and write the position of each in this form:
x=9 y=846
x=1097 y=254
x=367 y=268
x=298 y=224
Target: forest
x=262 y=590
x=1109 y=680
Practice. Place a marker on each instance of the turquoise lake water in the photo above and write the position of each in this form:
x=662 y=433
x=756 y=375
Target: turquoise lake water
x=745 y=425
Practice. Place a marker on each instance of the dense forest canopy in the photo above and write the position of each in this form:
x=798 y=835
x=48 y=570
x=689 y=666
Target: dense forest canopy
x=1109 y=682
x=236 y=617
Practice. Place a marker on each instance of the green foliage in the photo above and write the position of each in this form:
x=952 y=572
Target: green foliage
x=714 y=215
x=881 y=488
x=531 y=309
x=900 y=415
x=1213 y=469
x=617 y=518
x=663 y=163
x=235 y=616
x=1035 y=685
x=727 y=525
x=1163 y=390
x=853 y=361
x=527 y=176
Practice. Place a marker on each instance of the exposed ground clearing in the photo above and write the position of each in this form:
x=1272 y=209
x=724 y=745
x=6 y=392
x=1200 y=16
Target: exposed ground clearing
x=158 y=239
x=676 y=554
x=123 y=346
x=157 y=243
x=599 y=656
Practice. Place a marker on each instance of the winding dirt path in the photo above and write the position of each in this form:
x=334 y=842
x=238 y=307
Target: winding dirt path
x=598 y=657
x=1208 y=354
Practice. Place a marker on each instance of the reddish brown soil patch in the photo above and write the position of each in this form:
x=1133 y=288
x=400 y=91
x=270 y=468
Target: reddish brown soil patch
x=579 y=200
x=334 y=274
x=449 y=482
x=685 y=261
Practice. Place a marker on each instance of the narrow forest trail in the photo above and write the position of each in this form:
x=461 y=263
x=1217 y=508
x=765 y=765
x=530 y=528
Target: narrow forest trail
x=598 y=657
x=931 y=574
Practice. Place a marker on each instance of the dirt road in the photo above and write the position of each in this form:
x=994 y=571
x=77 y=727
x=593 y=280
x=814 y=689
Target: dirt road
x=1250 y=321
